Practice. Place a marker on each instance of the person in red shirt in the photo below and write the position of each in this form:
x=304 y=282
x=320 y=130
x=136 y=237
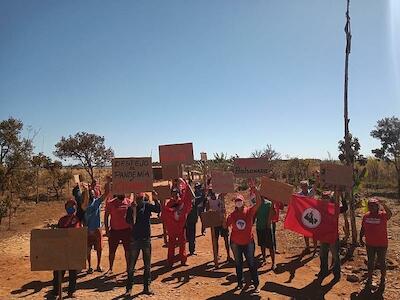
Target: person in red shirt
x=374 y=227
x=70 y=220
x=242 y=240
x=174 y=215
x=117 y=230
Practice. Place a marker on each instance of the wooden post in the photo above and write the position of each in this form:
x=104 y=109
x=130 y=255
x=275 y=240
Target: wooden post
x=214 y=246
x=60 y=280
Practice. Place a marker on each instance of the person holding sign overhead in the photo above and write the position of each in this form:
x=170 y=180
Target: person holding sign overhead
x=138 y=215
x=242 y=240
x=92 y=221
x=174 y=215
x=117 y=229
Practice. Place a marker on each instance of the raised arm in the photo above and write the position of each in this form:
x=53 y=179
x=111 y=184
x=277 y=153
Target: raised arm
x=107 y=189
x=258 y=199
x=387 y=210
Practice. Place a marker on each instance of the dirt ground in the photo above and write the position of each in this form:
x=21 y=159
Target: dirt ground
x=293 y=278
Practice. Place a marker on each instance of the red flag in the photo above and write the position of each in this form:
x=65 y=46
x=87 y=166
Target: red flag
x=313 y=218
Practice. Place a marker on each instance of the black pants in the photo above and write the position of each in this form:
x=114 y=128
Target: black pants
x=136 y=246
x=191 y=236
x=71 y=278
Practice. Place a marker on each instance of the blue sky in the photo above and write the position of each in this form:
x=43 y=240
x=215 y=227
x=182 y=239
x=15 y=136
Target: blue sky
x=227 y=75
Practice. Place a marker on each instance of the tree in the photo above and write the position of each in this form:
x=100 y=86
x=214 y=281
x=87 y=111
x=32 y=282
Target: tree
x=15 y=166
x=268 y=152
x=39 y=161
x=388 y=132
x=56 y=178
x=86 y=148
x=351 y=155
x=222 y=162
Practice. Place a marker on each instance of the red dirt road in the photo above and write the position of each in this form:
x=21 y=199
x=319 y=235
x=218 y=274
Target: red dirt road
x=292 y=279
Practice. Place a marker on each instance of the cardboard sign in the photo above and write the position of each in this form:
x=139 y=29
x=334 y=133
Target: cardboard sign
x=163 y=191
x=222 y=182
x=171 y=171
x=250 y=167
x=58 y=249
x=176 y=154
x=211 y=219
x=78 y=178
x=133 y=174
x=203 y=156
x=275 y=190
x=336 y=175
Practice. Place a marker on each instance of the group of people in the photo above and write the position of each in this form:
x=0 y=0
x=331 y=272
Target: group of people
x=127 y=221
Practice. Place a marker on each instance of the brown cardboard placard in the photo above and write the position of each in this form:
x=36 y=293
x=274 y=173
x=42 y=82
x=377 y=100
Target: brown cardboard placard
x=275 y=190
x=250 y=167
x=78 y=178
x=171 y=171
x=211 y=219
x=163 y=191
x=132 y=174
x=332 y=174
x=176 y=154
x=58 y=249
x=222 y=182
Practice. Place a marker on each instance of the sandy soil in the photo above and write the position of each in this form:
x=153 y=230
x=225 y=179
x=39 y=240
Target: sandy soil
x=293 y=278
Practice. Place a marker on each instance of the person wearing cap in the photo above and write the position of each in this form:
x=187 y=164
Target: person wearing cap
x=117 y=229
x=70 y=220
x=174 y=214
x=306 y=191
x=216 y=202
x=242 y=240
x=193 y=217
x=93 y=223
x=332 y=197
x=138 y=215
x=374 y=228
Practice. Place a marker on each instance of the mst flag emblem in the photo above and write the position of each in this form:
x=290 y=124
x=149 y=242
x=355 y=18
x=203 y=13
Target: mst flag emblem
x=313 y=218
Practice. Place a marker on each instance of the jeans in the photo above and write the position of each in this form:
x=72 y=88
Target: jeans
x=136 y=246
x=71 y=278
x=191 y=236
x=323 y=255
x=273 y=226
x=248 y=252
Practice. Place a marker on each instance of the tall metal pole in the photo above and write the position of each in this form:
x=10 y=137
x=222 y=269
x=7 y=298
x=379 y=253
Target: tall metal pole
x=349 y=162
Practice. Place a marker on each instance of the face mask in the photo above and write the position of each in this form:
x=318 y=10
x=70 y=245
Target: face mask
x=239 y=204
x=70 y=210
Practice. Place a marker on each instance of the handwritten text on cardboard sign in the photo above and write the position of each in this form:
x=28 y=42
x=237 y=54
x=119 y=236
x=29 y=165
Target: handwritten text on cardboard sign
x=250 y=167
x=134 y=174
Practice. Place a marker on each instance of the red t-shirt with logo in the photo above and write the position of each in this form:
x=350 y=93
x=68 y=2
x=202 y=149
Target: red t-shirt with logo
x=117 y=210
x=375 y=229
x=242 y=223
